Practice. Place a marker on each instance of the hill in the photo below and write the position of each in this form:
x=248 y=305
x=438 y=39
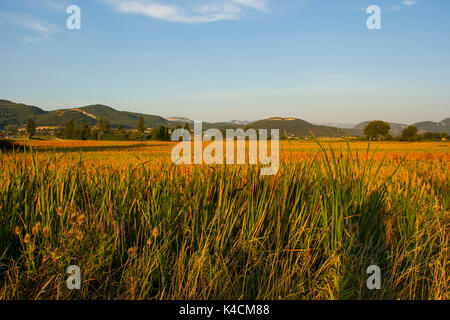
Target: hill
x=298 y=127
x=58 y=118
x=430 y=126
x=125 y=119
x=17 y=114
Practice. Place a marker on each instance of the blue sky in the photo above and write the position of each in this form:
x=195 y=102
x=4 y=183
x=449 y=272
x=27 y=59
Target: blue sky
x=217 y=60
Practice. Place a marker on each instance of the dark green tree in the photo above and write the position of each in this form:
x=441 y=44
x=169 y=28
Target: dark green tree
x=31 y=128
x=141 y=125
x=106 y=126
x=84 y=131
x=410 y=133
x=69 y=129
x=377 y=129
x=160 y=133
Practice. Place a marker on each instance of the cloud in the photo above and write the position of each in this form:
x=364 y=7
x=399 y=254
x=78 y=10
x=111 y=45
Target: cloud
x=197 y=11
x=57 y=5
x=40 y=29
x=393 y=8
x=409 y=3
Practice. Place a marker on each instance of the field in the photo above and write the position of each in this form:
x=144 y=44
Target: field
x=141 y=228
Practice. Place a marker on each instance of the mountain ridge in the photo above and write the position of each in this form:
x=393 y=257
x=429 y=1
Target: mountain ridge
x=12 y=113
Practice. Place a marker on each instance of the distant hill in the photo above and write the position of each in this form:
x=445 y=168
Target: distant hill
x=396 y=128
x=123 y=118
x=424 y=126
x=240 y=122
x=179 y=120
x=17 y=114
x=291 y=126
x=430 y=126
x=12 y=113
x=337 y=125
x=298 y=127
x=58 y=118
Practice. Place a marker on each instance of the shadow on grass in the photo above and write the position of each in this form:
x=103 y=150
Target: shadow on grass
x=93 y=148
x=367 y=247
x=10 y=146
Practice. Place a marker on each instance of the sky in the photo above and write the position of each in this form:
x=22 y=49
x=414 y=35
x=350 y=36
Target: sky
x=221 y=60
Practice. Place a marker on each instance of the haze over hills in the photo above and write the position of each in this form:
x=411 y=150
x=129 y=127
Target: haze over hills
x=18 y=114
x=336 y=124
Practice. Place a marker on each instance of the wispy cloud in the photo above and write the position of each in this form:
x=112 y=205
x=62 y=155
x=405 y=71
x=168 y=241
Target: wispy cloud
x=57 y=5
x=40 y=29
x=392 y=8
x=409 y=2
x=197 y=11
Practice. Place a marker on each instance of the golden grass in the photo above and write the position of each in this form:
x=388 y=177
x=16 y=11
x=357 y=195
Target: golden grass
x=141 y=228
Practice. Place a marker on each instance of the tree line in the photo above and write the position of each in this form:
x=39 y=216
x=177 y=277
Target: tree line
x=374 y=130
x=379 y=130
x=103 y=130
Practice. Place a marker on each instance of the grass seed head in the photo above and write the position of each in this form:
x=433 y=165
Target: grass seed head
x=46 y=231
x=35 y=229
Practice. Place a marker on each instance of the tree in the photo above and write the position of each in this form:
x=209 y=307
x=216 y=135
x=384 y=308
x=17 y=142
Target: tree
x=141 y=126
x=160 y=133
x=107 y=126
x=409 y=133
x=100 y=123
x=31 y=128
x=186 y=126
x=69 y=129
x=428 y=135
x=84 y=131
x=93 y=133
x=377 y=129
